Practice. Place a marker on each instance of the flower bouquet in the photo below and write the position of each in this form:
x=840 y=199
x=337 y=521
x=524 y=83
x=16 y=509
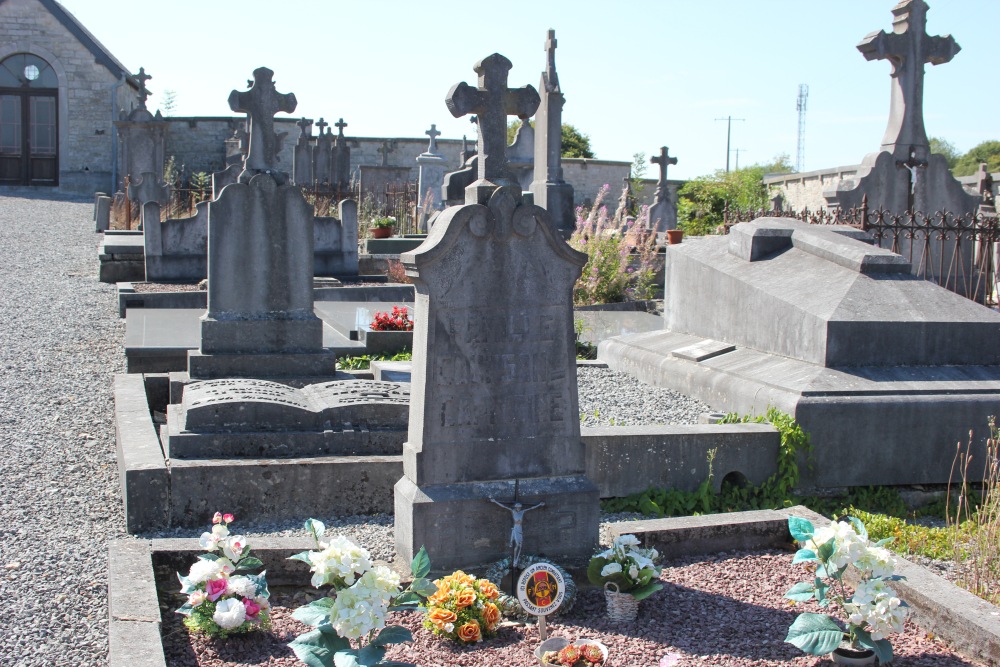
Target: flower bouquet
x=582 y=653
x=871 y=612
x=356 y=610
x=626 y=571
x=463 y=608
x=398 y=320
x=384 y=222
x=222 y=602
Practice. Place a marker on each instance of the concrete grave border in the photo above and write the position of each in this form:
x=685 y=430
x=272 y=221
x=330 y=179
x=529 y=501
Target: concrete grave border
x=969 y=623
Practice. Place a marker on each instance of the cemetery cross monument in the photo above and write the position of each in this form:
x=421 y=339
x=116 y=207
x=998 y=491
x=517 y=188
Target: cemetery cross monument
x=663 y=213
x=260 y=103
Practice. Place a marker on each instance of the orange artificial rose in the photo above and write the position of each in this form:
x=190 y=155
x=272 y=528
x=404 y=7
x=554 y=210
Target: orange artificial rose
x=491 y=615
x=442 y=595
x=440 y=617
x=466 y=597
x=488 y=589
x=470 y=632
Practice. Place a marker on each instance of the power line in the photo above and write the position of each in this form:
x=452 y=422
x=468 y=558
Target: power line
x=729 y=135
x=800 y=105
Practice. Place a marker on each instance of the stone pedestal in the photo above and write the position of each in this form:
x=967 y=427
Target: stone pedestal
x=141 y=138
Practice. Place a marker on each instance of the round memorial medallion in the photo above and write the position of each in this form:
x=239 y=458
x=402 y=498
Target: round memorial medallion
x=541 y=589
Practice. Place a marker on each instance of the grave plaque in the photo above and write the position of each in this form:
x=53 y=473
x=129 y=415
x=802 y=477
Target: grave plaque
x=494 y=395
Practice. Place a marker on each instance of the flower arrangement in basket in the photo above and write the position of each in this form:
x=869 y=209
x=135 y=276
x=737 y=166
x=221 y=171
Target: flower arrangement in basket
x=222 y=602
x=463 y=608
x=356 y=609
x=628 y=574
x=871 y=612
x=398 y=320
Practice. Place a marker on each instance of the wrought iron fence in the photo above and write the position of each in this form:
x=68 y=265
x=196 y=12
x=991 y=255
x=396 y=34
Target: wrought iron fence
x=957 y=252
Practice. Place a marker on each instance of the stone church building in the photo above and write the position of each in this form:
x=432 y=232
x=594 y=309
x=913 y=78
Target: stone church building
x=60 y=92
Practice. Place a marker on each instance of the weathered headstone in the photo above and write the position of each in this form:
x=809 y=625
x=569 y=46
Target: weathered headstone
x=323 y=155
x=494 y=395
x=341 y=158
x=431 y=168
x=260 y=319
x=551 y=191
x=663 y=212
x=302 y=165
x=141 y=138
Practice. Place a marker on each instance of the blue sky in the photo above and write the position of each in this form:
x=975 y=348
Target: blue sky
x=636 y=74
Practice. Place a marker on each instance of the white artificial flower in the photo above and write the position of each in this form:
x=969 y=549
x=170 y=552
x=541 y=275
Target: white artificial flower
x=197 y=598
x=210 y=541
x=449 y=627
x=848 y=546
x=877 y=560
x=341 y=561
x=354 y=616
x=633 y=572
x=627 y=541
x=229 y=613
x=379 y=583
x=611 y=568
x=203 y=570
x=242 y=586
x=233 y=547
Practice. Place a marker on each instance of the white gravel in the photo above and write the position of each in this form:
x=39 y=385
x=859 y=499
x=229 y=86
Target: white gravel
x=62 y=344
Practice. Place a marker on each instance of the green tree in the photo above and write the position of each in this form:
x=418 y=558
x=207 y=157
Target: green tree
x=988 y=152
x=169 y=103
x=574 y=142
x=702 y=201
x=945 y=148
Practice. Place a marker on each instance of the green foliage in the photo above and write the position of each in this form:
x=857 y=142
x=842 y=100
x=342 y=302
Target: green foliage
x=620 y=264
x=584 y=350
x=574 y=142
x=946 y=149
x=363 y=361
x=702 y=201
x=987 y=151
x=636 y=173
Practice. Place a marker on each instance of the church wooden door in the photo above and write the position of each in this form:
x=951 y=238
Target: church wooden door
x=29 y=147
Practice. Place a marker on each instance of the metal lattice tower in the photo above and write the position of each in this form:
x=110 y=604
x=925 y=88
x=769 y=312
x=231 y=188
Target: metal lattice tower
x=800 y=105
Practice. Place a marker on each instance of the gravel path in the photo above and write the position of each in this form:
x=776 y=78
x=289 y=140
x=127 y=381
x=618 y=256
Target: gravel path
x=62 y=342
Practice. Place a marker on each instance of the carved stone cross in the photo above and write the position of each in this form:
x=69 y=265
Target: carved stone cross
x=551 y=78
x=384 y=150
x=305 y=128
x=260 y=103
x=143 y=91
x=907 y=48
x=433 y=134
x=664 y=160
x=492 y=102
x=340 y=125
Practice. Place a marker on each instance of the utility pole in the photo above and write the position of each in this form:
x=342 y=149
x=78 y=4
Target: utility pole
x=729 y=135
x=800 y=106
x=738 y=151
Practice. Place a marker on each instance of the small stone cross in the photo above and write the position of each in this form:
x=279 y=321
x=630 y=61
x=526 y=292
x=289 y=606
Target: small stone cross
x=142 y=77
x=551 y=78
x=305 y=126
x=340 y=125
x=384 y=150
x=664 y=160
x=322 y=124
x=907 y=48
x=492 y=101
x=260 y=103
x=433 y=134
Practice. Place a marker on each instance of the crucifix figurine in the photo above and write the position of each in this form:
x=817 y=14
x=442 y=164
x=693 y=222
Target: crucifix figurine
x=492 y=101
x=517 y=511
x=664 y=160
x=907 y=48
x=911 y=164
x=260 y=103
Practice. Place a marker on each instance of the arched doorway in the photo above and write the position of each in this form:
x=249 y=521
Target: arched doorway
x=29 y=145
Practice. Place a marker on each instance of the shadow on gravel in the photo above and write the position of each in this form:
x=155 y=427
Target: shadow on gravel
x=44 y=193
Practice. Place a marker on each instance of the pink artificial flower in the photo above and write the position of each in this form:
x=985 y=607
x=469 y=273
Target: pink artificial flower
x=228 y=518
x=215 y=588
x=252 y=608
x=197 y=598
x=217 y=518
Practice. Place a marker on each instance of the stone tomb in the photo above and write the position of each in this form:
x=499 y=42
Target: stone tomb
x=494 y=392
x=244 y=418
x=885 y=371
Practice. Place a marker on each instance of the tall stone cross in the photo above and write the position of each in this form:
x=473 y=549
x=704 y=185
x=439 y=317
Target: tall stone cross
x=492 y=101
x=433 y=134
x=340 y=125
x=143 y=91
x=907 y=48
x=322 y=125
x=551 y=78
x=305 y=130
x=664 y=160
x=260 y=103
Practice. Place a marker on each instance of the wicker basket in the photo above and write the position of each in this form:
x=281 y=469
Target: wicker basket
x=622 y=607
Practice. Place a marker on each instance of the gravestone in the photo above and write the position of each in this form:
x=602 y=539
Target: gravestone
x=141 y=138
x=494 y=394
x=260 y=319
x=302 y=165
x=455 y=182
x=341 y=159
x=323 y=155
x=550 y=190
x=431 y=166
x=376 y=180
x=521 y=156
x=663 y=212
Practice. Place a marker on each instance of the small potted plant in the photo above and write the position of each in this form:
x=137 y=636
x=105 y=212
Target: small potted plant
x=463 y=608
x=383 y=226
x=870 y=613
x=398 y=320
x=559 y=652
x=221 y=601
x=628 y=573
